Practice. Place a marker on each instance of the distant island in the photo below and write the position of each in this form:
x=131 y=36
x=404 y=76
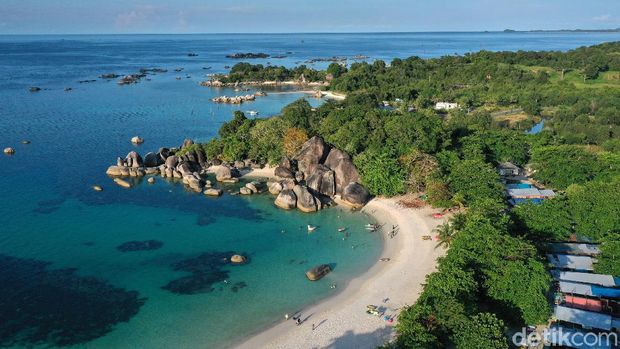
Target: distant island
x=611 y=30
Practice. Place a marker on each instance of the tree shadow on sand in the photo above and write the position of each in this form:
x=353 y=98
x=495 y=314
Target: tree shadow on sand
x=351 y=340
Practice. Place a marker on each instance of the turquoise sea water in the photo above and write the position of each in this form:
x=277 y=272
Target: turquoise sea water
x=63 y=282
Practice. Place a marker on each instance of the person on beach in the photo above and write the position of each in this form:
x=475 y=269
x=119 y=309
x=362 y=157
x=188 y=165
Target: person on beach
x=313 y=327
x=298 y=321
x=285 y=316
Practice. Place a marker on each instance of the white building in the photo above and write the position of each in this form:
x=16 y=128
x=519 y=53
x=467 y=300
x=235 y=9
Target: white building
x=446 y=106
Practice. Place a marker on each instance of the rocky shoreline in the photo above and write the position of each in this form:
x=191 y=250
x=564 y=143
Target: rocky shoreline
x=219 y=83
x=315 y=178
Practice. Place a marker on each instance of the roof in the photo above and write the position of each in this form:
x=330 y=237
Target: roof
x=575 y=288
x=508 y=165
x=529 y=192
x=574 y=248
x=547 y=193
x=588 y=278
x=523 y=192
x=583 y=318
x=589 y=290
x=566 y=261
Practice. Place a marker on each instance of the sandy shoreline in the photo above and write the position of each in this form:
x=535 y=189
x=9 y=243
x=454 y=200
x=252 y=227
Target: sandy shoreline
x=341 y=321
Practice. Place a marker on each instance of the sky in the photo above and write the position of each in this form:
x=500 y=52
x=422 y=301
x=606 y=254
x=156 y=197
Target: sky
x=295 y=16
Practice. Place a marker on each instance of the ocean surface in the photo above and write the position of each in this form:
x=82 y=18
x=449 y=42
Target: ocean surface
x=64 y=281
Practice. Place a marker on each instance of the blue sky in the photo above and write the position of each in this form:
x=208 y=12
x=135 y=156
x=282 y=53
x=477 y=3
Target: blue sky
x=216 y=16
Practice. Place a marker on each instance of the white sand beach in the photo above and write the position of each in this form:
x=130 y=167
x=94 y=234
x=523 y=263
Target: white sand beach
x=341 y=321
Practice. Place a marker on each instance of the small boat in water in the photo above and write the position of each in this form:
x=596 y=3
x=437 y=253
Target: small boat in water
x=311 y=228
x=341 y=229
x=252 y=112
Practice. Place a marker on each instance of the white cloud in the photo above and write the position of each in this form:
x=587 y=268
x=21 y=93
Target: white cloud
x=602 y=18
x=137 y=16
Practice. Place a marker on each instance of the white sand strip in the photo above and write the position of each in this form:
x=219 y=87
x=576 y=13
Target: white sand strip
x=341 y=321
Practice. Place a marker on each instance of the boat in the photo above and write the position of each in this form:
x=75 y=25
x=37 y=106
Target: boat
x=341 y=229
x=252 y=112
x=311 y=228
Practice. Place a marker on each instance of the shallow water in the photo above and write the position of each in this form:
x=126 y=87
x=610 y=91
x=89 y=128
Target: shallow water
x=50 y=214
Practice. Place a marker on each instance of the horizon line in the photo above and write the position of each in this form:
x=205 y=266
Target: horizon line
x=600 y=30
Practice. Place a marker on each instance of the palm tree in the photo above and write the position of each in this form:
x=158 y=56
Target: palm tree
x=447 y=231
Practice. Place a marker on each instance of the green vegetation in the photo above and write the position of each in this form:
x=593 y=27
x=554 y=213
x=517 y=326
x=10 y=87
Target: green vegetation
x=258 y=72
x=494 y=274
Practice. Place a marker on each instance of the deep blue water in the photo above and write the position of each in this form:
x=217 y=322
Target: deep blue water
x=51 y=219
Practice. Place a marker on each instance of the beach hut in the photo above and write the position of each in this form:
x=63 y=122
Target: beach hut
x=577 y=263
x=586 y=278
x=585 y=319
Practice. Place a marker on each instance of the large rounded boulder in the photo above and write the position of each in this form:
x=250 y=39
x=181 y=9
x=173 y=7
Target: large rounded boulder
x=172 y=161
x=345 y=171
x=306 y=202
x=355 y=195
x=286 y=199
x=321 y=180
x=186 y=143
x=223 y=173
x=312 y=153
x=318 y=272
x=283 y=172
x=152 y=160
x=134 y=159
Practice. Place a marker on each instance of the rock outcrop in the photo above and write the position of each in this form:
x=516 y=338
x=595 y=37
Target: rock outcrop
x=318 y=272
x=283 y=172
x=152 y=160
x=286 y=199
x=275 y=188
x=133 y=159
x=137 y=140
x=306 y=202
x=213 y=192
x=345 y=171
x=355 y=195
x=225 y=174
x=238 y=259
x=317 y=174
x=312 y=153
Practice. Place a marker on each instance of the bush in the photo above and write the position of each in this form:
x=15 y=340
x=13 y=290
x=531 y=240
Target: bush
x=381 y=172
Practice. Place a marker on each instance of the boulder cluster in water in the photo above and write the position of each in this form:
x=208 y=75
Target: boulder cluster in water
x=234 y=100
x=314 y=176
x=309 y=181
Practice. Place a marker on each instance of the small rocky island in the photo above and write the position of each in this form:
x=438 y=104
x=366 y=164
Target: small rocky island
x=316 y=177
x=248 y=55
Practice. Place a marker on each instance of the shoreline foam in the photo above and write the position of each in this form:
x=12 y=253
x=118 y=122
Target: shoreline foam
x=341 y=320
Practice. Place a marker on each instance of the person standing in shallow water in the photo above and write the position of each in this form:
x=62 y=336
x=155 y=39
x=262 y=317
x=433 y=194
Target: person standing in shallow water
x=286 y=316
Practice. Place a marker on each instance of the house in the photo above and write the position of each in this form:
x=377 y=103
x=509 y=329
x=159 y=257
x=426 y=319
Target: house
x=573 y=288
x=574 y=248
x=585 y=319
x=446 y=106
x=509 y=169
x=532 y=194
x=565 y=261
x=587 y=278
